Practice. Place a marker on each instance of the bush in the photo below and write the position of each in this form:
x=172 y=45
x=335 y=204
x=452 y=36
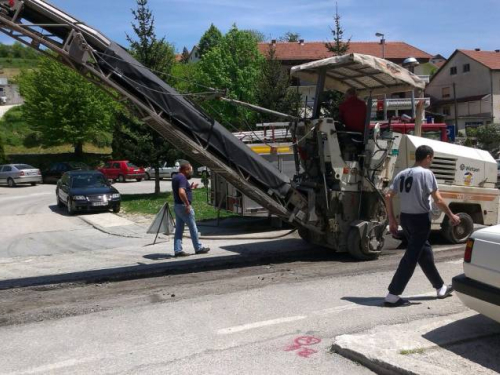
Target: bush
x=3 y=158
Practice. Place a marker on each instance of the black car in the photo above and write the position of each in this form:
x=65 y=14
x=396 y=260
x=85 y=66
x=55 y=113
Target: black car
x=56 y=170
x=86 y=191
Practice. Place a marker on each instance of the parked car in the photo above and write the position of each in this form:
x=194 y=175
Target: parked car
x=122 y=170
x=479 y=286
x=56 y=170
x=86 y=191
x=15 y=174
x=164 y=172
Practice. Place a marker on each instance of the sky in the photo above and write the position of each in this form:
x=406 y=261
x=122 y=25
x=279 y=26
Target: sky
x=435 y=26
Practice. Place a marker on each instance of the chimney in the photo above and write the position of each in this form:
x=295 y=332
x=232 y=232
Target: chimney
x=301 y=42
x=273 y=41
x=477 y=49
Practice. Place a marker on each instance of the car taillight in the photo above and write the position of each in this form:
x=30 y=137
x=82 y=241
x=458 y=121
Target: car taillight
x=39 y=173
x=468 y=250
x=21 y=173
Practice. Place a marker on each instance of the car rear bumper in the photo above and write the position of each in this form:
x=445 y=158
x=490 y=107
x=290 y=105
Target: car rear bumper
x=28 y=179
x=464 y=285
x=478 y=296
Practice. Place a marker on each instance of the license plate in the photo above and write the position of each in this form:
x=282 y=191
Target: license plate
x=99 y=203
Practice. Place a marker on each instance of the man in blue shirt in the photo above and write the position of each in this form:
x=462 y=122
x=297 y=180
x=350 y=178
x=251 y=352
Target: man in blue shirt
x=415 y=186
x=184 y=213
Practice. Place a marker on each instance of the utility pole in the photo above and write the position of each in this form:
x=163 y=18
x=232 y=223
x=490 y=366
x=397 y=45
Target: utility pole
x=456 y=110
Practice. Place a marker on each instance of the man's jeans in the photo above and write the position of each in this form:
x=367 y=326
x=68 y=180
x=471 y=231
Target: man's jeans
x=181 y=218
x=416 y=228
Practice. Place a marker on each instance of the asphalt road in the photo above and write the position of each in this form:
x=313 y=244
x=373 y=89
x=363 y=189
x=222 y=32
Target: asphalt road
x=252 y=318
x=266 y=319
x=32 y=224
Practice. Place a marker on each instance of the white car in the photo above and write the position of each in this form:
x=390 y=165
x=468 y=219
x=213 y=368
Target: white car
x=479 y=286
x=165 y=171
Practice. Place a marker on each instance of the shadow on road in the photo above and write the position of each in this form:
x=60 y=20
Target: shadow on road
x=375 y=301
x=476 y=338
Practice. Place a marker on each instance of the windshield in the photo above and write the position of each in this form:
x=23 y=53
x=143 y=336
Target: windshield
x=24 y=166
x=89 y=181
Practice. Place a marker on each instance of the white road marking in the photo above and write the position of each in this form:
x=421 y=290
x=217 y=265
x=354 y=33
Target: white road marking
x=336 y=309
x=265 y=323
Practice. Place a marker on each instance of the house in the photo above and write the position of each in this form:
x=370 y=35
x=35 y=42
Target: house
x=438 y=60
x=295 y=53
x=466 y=89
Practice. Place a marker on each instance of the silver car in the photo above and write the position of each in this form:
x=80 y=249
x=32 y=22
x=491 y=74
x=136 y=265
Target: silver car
x=14 y=174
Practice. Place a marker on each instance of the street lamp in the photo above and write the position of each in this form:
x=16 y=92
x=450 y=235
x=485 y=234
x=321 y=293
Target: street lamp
x=382 y=41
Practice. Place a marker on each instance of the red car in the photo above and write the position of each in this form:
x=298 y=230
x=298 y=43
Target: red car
x=121 y=170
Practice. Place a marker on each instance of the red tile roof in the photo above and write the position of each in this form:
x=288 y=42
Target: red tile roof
x=289 y=51
x=490 y=59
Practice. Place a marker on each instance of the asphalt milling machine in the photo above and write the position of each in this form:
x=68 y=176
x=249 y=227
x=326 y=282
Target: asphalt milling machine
x=336 y=198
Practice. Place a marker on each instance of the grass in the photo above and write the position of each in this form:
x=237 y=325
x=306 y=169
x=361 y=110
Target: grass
x=152 y=203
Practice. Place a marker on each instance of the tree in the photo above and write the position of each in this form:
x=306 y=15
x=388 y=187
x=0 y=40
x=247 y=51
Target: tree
x=274 y=88
x=233 y=65
x=488 y=137
x=156 y=54
x=185 y=56
x=62 y=107
x=339 y=46
x=256 y=34
x=330 y=99
x=143 y=143
x=289 y=37
x=210 y=39
x=134 y=140
x=3 y=158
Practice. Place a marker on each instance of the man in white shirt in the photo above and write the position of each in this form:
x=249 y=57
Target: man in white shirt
x=415 y=186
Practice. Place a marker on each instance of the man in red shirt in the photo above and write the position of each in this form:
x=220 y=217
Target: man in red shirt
x=352 y=112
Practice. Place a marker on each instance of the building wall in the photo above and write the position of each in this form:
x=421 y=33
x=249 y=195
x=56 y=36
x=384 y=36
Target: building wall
x=496 y=96
x=475 y=82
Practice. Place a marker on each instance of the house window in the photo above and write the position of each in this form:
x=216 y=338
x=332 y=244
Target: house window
x=446 y=111
x=453 y=70
x=445 y=92
x=466 y=68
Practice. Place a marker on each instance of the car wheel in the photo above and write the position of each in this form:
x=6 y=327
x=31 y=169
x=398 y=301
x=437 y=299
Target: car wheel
x=121 y=178
x=459 y=233
x=11 y=182
x=116 y=209
x=69 y=207
x=60 y=204
x=33 y=184
x=148 y=177
x=138 y=179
